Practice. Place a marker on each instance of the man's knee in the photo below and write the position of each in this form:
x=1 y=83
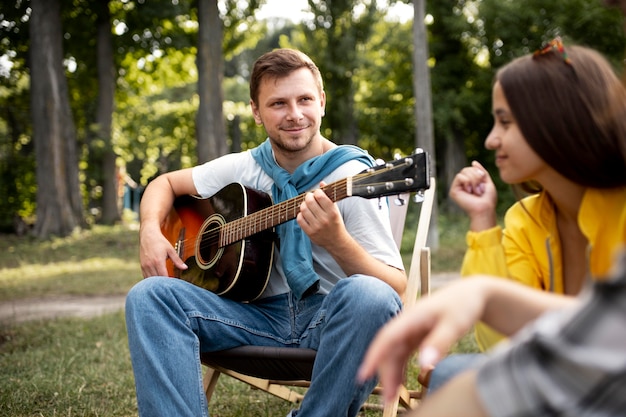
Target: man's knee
x=152 y=293
x=368 y=295
x=143 y=290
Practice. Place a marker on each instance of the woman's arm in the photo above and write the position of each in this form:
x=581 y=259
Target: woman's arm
x=466 y=401
x=435 y=323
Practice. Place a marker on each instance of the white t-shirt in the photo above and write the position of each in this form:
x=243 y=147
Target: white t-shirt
x=367 y=220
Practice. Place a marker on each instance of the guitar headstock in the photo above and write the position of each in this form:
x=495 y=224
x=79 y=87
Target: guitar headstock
x=403 y=175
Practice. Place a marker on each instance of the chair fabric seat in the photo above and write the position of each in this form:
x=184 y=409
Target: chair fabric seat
x=279 y=363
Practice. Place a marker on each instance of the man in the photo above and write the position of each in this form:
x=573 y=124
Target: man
x=337 y=274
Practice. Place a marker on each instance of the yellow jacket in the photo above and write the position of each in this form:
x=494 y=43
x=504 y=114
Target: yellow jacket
x=528 y=250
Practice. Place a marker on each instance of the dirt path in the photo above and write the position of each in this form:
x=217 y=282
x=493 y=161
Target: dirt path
x=18 y=311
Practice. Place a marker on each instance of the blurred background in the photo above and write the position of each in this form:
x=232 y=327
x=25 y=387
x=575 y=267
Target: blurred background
x=97 y=97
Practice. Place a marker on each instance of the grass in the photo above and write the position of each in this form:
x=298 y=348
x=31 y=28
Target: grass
x=81 y=367
x=100 y=261
x=68 y=367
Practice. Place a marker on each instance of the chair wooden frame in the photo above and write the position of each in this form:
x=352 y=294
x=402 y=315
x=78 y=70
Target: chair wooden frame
x=231 y=362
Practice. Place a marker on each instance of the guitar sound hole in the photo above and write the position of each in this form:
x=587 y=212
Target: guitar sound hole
x=208 y=250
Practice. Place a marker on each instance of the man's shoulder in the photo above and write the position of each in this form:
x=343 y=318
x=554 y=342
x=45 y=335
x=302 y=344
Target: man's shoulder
x=232 y=160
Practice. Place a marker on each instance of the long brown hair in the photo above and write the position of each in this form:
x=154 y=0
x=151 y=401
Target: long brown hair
x=571 y=108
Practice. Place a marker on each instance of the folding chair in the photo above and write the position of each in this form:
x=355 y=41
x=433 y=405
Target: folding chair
x=277 y=370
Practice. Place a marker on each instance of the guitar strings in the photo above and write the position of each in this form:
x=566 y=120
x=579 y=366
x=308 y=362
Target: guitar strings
x=268 y=217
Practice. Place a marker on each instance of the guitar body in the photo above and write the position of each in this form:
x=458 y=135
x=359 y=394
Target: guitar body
x=239 y=270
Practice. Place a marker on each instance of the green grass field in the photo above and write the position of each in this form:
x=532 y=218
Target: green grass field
x=81 y=367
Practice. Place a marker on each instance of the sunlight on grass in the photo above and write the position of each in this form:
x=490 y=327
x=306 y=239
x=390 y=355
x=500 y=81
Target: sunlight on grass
x=89 y=277
x=100 y=261
x=95 y=276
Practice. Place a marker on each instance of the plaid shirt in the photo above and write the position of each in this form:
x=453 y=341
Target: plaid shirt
x=568 y=363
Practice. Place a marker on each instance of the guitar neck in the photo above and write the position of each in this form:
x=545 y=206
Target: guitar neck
x=276 y=214
x=402 y=175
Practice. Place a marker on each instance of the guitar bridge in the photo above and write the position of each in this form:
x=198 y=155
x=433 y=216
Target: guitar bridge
x=179 y=247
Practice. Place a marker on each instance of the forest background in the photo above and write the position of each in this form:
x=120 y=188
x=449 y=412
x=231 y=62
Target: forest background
x=97 y=97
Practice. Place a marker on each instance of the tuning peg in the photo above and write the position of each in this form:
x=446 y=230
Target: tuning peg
x=419 y=196
x=398 y=201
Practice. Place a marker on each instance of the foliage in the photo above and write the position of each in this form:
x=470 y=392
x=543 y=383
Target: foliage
x=461 y=86
x=384 y=94
x=508 y=29
x=334 y=39
x=17 y=159
x=365 y=59
x=154 y=133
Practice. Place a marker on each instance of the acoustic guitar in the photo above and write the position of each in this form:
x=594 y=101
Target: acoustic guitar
x=227 y=240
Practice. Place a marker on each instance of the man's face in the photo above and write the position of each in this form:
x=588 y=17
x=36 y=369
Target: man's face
x=291 y=109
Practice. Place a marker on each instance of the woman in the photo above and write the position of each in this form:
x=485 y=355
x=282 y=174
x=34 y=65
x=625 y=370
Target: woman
x=560 y=133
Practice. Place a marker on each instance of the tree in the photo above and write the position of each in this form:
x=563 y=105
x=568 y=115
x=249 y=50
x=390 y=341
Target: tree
x=104 y=114
x=384 y=91
x=334 y=40
x=59 y=204
x=424 y=137
x=461 y=88
x=421 y=83
x=210 y=129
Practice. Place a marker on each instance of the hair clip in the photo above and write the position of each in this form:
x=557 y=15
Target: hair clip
x=556 y=45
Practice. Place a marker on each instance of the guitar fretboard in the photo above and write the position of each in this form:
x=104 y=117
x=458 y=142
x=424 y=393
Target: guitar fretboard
x=274 y=215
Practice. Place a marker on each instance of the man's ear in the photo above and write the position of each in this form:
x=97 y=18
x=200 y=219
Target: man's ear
x=323 y=102
x=256 y=113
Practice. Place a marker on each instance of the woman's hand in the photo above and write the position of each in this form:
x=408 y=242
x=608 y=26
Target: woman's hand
x=473 y=190
x=432 y=325
x=436 y=322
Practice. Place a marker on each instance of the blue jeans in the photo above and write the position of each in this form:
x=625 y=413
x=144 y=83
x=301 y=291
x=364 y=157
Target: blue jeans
x=450 y=366
x=170 y=322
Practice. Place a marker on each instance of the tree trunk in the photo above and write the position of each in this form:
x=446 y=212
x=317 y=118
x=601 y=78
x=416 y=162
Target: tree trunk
x=235 y=134
x=210 y=128
x=104 y=115
x=423 y=104
x=455 y=161
x=59 y=204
